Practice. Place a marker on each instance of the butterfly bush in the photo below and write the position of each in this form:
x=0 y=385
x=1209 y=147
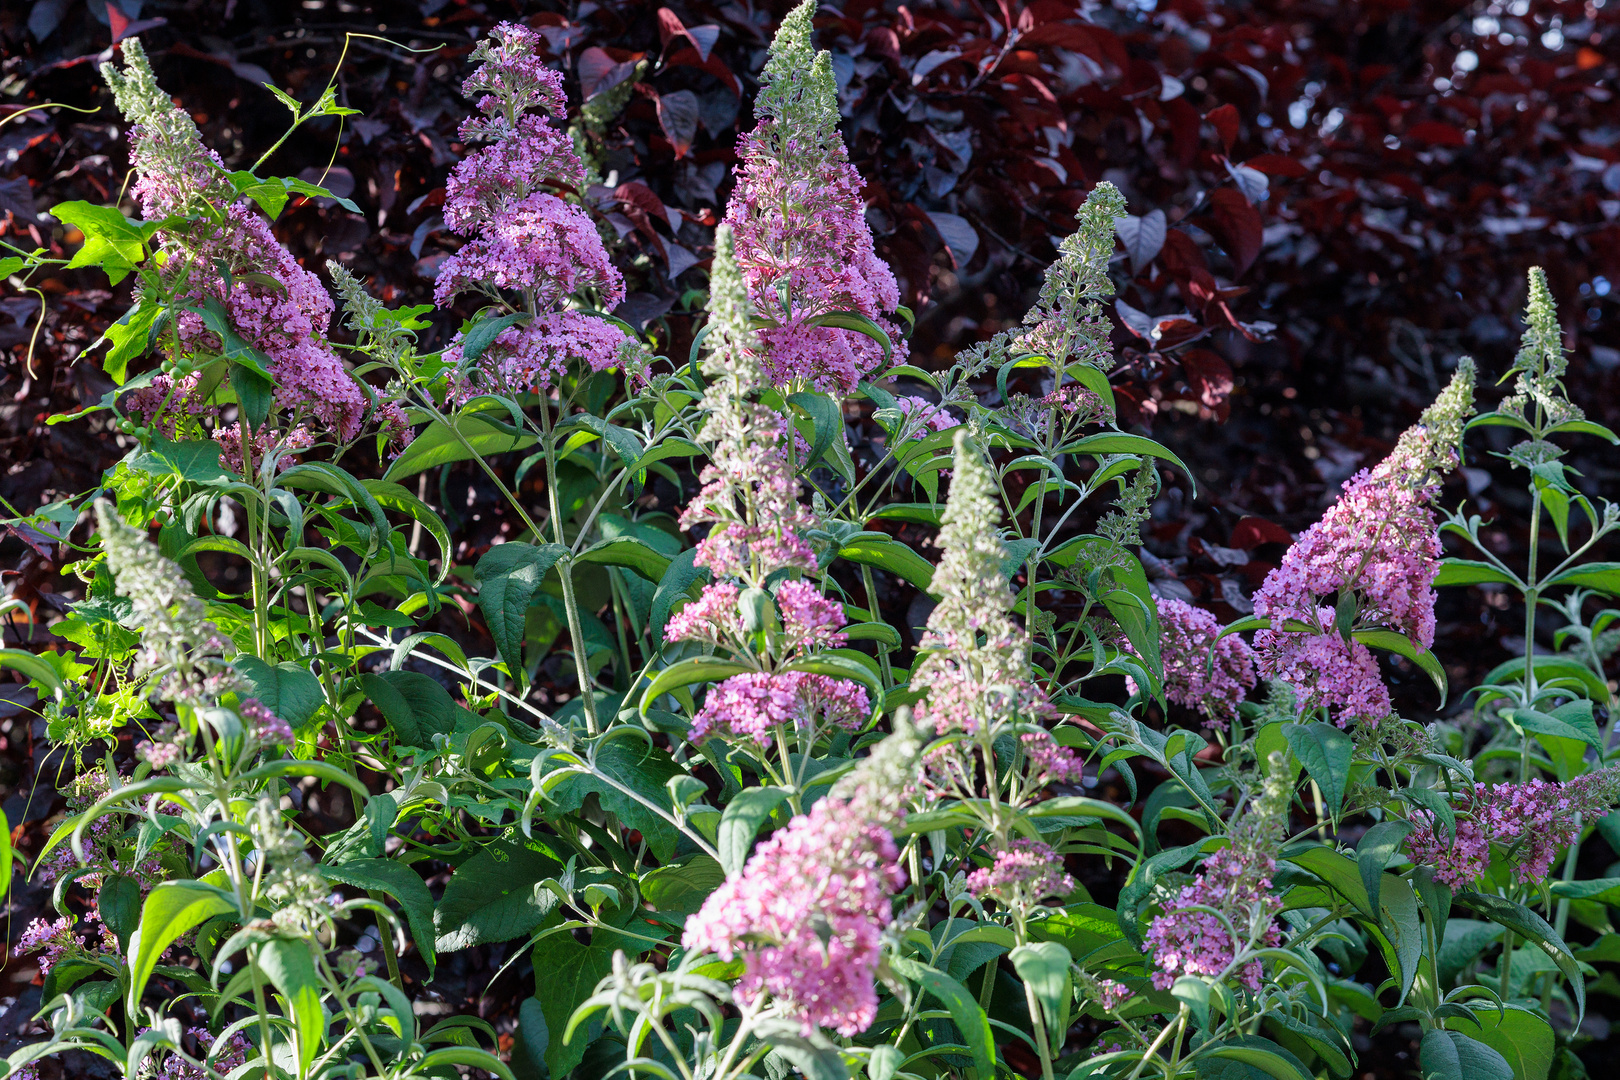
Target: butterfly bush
x=758 y=524
x=798 y=218
x=1202 y=669
x=808 y=911
x=235 y=287
x=1379 y=543
x=1529 y=822
x=525 y=237
x=1229 y=908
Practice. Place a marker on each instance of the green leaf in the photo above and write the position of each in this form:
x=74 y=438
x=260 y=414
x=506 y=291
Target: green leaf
x=402 y=883
x=111 y=240
x=1402 y=645
x=1398 y=918
x=442 y=1062
x=698 y=669
x=625 y=444
x=1549 y=668
x=289 y=690
x=893 y=556
x=1115 y=442
x=1448 y=1055
x=1261 y=1054
x=1602 y=576
x=119 y=902
x=1471 y=572
x=1563 y=723
x=395 y=497
x=437 y=444
x=196 y=460
x=171 y=908
x=963 y=1007
x=292 y=970
x=741 y=821
x=1377 y=847
x=1044 y=967
x=1534 y=929
x=414 y=704
x=826 y=421
x=814 y=1056
x=38 y=670
x=681 y=887
x=491 y=897
x=129 y=337
x=630 y=553
x=1133 y=607
x=1338 y=872
x=1326 y=753
x=482 y=334
x=1523 y=1039
x=628 y=775
x=508 y=576
x=571 y=972
x=675 y=585
x=854 y=320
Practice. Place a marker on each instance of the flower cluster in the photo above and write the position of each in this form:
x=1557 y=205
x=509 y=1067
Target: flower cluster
x=808 y=911
x=1189 y=648
x=1022 y=875
x=52 y=940
x=749 y=492
x=1229 y=906
x=223 y=1059
x=179 y=645
x=1529 y=821
x=237 y=289
x=754 y=705
x=1379 y=544
x=525 y=237
x=975 y=666
x=799 y=220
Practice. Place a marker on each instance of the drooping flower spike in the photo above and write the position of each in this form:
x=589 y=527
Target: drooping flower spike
x=1379 y=543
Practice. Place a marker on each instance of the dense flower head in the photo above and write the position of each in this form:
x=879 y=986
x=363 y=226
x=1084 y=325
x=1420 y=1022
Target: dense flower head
x=749 y=493
x=1022 y=875
x=266 y=726
x=1531 y=822
x=525 y=238
x=712 y=618
x=807 y=914
x=798 y=216
x=1195 y=942
x=975 y=666
x=810 y=621
x=1189 y=636
x=51 y=939
x=809 y=909
x=923 y=415
x=753 y=705
x=225 y=259
x=1378 y=541
x=223 y=1059
x=1236 y=882
x=539 y=244
x=178 y=642
x=1049 y=761
x=535 y=355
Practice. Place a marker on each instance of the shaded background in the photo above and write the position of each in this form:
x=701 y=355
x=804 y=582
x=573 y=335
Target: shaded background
x=1331 y=202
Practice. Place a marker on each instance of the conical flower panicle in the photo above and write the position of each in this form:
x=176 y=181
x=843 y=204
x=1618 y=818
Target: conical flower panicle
x=1540 y=361
x=1380 y=542
x=803 y=244
x=525 y=238
x=178 y=642
x=973 y=684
